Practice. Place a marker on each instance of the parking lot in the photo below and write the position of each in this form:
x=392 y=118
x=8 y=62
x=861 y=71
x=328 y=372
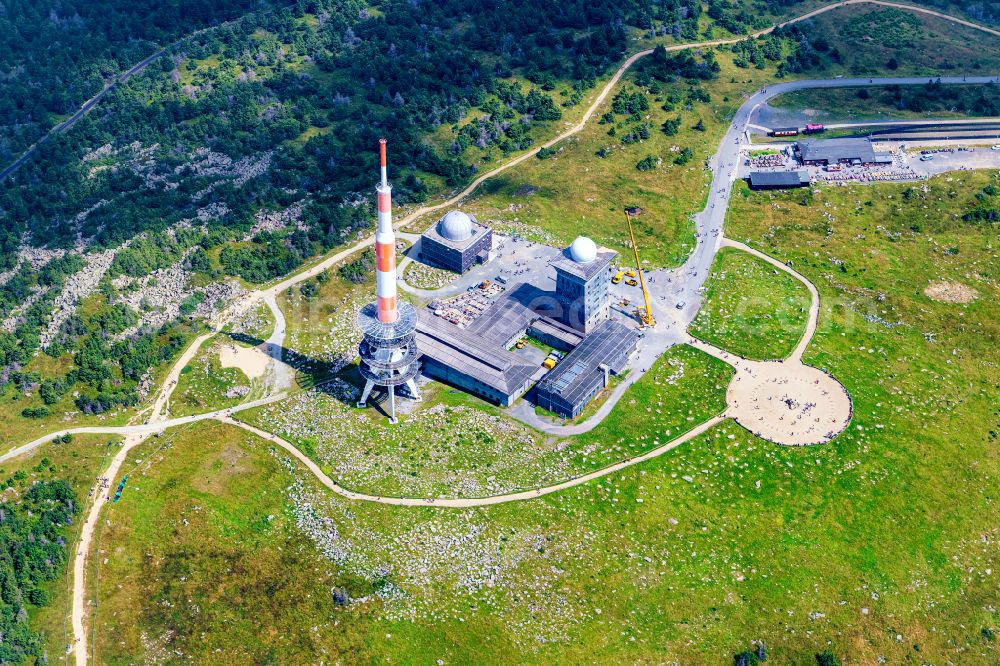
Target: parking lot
x=953 y=159
x=513 y=260
x=906 y=165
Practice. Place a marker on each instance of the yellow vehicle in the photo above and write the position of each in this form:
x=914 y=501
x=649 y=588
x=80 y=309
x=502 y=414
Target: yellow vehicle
x=630 y=282
x=618 y=277
x=549 y=363
x=630 y=273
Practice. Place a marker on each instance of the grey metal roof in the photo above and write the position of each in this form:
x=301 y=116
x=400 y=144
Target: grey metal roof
x=778 y=178
x=520 y=304
x=564 y=262
x=559 y=330
x=469 y=354
x=572 y=379
x=835 y=150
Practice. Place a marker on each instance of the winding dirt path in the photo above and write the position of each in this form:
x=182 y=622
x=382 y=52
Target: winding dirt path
x=786 y=402
x=588 y=114
x=100 y=498
x=160 y=404
x=468 y=502
x=813 y=318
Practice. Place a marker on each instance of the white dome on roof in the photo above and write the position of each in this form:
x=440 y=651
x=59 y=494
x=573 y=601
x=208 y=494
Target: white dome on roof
x=455 y=226
x=583 y=250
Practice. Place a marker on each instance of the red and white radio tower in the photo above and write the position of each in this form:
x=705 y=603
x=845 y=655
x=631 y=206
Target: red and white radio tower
x=388 y=349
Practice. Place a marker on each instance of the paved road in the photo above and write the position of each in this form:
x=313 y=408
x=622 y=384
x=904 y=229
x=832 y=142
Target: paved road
x=709 y=224
x=669 y=288
x=82 y=111
x=280 y=374
x=691 y=276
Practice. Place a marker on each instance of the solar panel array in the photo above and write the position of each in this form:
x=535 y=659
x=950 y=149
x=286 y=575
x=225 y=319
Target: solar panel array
x=573 y=379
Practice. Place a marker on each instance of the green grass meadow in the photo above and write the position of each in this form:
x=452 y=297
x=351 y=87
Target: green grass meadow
x=880 y=547
x=751 y=308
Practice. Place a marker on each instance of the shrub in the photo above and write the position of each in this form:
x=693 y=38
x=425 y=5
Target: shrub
x=671 y=126
x=648 y=163
x=35 y=412
x=38 y=597
x=309 y=289
x=360 y=269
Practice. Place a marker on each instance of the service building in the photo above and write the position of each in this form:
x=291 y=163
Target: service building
x=583 y=282
x=587 y=369
x=456 y=243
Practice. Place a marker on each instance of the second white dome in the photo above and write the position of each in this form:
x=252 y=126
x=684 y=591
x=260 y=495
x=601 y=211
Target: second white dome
x=583 y=250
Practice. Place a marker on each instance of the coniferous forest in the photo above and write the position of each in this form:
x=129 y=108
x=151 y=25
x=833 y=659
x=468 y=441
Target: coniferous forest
x=32 y=553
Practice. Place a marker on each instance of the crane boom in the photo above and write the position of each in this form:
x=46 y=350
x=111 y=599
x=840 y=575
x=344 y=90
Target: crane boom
x=646 y=317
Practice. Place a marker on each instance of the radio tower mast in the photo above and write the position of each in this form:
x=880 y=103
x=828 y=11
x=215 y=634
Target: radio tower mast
x=388 y=349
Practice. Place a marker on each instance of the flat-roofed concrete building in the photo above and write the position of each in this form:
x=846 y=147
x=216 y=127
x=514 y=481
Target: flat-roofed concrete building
x=456 y=243
x=459 y=357
x=777 y=180
x=583 y=282
x=840 y=151
x=555 y=334
x=575 y=317
x=586 y=370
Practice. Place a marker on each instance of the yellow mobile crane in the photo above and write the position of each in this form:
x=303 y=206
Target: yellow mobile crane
x=645 y=316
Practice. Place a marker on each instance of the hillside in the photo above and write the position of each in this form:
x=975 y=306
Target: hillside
x=247 y=150
x=794 y=460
